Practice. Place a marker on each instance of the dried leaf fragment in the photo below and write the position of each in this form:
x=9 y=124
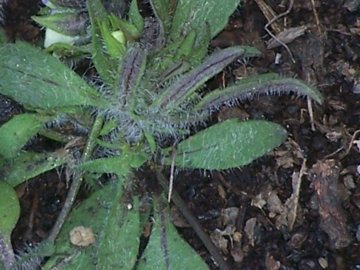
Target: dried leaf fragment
x=287 y=36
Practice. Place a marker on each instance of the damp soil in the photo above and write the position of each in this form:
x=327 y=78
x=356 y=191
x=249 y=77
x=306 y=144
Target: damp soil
x=298 y=207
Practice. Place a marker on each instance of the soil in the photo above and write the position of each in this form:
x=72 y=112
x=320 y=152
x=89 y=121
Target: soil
x=295 y=208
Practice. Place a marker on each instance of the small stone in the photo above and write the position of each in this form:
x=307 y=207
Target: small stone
x=323 y=263
x=81 y=236
x=349 y=182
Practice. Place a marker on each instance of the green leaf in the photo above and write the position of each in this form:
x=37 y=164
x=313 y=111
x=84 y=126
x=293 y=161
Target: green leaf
x=119 y=165
x=163 y=10
x=3 y=38
x=116 y=229
x=119 y=240
x=28 y=165
x=114 y=44
x=9 y=209
x=187 y=84
x=266 y=84
x=135 y=16
x=166 y=249
x=39 y=80
x=132 y=71
x=9 y=215
x=104 y=64
x=187 y=45
x=66 y=23
x=195 y=15
x=18 y=131
x=226 y=145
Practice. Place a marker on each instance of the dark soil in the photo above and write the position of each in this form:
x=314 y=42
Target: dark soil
x=254 y=215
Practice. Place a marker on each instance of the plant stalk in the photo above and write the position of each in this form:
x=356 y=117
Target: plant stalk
x=77 y=179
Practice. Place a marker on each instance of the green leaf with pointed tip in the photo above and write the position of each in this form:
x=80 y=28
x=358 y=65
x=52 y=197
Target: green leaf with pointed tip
x=39 y=80
x=114 y=47
x=66 y=23
x=166 y=249
x=266 y=84
x=18 y=131
x=163 y=10
x=121 y=234
x=115 y=226
x=28 y=165
x=119 y=165
x=187 y=45
x=195 y=15
x=104 y=64
x=186 y=85
x=135 y=16
x=9 y=209
x=226 y=145
x=9 y=215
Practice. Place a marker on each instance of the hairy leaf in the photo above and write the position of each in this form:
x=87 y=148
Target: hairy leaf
x=116 y=229
x=267 y=84
x=119 y=239
x=9 y=215
x=163 y=10
x=28 y=165
x=135 y=16
x=133 y=67
x=9 y=208
x=226 y=145
x=18 y=131
x=67 y=23
x=186 y=85
x=104 y=64
x=195 y=15
x=39 y=80
x=119 y=165
x=166 y=249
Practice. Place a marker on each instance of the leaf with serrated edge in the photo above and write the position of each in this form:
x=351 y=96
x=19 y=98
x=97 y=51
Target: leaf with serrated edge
x=104 y=64
x=267 y=84
x=36 y=79
x=226 y=145
x=186 y=85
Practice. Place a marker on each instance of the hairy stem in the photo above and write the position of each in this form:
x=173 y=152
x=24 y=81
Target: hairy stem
x=77 y=179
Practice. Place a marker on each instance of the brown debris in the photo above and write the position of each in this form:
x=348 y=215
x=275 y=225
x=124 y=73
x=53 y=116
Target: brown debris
x=330 y=194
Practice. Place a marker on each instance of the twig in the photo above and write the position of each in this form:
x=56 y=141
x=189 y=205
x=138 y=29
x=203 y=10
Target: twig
x=172 y=168
x=353 y=137
x=311 y=114
x=316 y=17
x=274 y=19
x=193 y=222
x=76 y=181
